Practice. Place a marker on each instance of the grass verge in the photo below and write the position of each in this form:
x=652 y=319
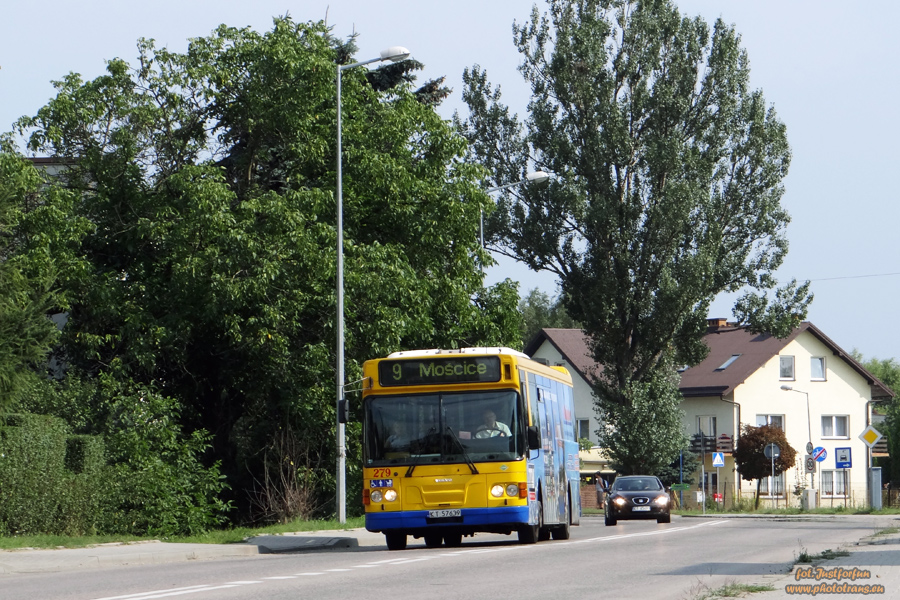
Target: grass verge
x=227 y=536
x=731 y=590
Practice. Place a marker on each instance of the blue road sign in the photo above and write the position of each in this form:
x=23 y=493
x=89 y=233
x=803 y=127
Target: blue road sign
x=718 y=459
x=842 y=458
x=820 y=453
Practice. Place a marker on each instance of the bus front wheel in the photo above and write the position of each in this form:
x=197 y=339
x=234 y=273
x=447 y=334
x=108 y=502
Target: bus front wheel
x=395 y=541
x=561 y=532
x=529 y=534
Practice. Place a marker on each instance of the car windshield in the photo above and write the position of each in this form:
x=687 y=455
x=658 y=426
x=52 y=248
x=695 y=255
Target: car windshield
x=444 y=428
x=637 y=484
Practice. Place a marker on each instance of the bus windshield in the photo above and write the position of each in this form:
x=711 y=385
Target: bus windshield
x=444 y=428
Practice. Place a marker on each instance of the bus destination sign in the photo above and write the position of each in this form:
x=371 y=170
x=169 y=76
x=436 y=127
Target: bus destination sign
x=436 y=371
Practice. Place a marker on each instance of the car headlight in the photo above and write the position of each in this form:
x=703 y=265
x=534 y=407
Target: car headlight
x=661 y=501
x=376 y=496
x=512 y=489
x=497 y=490
x=390 y=495
x=620 y=501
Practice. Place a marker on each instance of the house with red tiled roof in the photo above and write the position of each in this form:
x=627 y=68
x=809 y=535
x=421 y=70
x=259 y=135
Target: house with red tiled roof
x=805 y=383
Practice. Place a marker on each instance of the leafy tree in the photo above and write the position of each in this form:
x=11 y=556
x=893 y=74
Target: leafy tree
x=540 y=311
x=888 y=371
x=750 y=458
x=643 y=434
x=681 y=470
x=209 y=180
x=36 y=239
x=668 y=182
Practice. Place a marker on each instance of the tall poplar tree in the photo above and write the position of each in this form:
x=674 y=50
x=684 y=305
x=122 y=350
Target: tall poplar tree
x=668 y=180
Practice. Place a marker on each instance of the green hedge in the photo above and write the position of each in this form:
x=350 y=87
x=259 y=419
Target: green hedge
x=50 y=482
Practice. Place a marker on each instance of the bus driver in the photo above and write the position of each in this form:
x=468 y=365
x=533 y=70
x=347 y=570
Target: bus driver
x=492 y=427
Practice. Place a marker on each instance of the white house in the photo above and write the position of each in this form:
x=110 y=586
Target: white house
x=805 y=384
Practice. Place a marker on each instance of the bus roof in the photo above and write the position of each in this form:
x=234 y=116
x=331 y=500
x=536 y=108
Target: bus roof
x=472 y=351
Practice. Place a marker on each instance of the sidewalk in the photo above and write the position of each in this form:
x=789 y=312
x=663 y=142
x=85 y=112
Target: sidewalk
x=873 y=562
x=154 y=552
x=871 y=568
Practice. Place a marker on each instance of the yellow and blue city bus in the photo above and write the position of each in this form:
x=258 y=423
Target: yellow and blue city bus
x=469 y=440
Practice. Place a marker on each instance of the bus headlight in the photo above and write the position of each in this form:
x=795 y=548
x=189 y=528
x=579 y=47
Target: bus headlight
x=497 y=491
x=512 y=489
x=376 y=496
x=390 y=495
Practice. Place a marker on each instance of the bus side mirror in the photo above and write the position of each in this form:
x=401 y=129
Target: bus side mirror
x=534 y=437
x=343 y=410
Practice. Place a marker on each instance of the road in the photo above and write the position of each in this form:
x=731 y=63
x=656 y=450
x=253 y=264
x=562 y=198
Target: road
x=632 y=560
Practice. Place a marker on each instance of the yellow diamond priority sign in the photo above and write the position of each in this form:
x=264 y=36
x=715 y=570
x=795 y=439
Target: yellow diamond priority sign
x=870 y=436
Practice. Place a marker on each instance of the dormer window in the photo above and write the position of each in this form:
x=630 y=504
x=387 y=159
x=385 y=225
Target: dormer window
x=728 y=362
x=817 y=368
x=786 y=367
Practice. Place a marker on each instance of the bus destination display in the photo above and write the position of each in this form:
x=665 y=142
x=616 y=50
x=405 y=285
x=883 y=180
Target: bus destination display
x=434 y=371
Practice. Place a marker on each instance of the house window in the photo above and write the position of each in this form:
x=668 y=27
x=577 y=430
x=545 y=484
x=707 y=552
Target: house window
x=584 y=429
x=835 y=426
x=765 y=486
x=817 y=368
x=776 y=420
x=707 y=426
x=833 y=483
x=786 y=367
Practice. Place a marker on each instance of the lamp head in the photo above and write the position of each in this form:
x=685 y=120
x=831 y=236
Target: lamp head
x=537 y=177
x=787 y=388
x=394 y=53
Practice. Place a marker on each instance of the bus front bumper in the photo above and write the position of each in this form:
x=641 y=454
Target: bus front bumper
x=497 y=520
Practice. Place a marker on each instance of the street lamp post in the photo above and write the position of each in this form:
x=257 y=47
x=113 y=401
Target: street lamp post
x=809 y=444
x=392 y=54
x=532 y=177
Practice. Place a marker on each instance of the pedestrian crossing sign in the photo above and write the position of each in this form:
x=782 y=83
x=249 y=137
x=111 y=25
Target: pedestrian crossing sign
x=718 y=459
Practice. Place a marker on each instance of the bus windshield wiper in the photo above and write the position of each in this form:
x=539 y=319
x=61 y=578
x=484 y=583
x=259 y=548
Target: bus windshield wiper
x=415 y=463
x=464 y=453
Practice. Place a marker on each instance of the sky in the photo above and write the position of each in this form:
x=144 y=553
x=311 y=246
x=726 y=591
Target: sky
x=830 y=70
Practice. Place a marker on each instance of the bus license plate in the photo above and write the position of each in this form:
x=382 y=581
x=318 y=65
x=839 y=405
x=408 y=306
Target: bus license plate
x=641 y=508
x=445 y=513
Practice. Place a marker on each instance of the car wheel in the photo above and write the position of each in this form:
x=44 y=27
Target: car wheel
x=664 y=519
x=610 y=521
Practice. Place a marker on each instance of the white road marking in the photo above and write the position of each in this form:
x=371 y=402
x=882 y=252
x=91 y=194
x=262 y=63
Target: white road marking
x=403 y=561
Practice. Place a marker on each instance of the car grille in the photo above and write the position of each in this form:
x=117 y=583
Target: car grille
x=641 y=500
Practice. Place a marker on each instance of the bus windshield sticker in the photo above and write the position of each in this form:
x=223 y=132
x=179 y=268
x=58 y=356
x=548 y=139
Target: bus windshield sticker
x=436 y=371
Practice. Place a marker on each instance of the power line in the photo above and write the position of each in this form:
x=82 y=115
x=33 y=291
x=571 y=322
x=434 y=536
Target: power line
x=856 y=276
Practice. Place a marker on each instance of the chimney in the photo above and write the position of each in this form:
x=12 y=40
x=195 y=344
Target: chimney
x=716 y=324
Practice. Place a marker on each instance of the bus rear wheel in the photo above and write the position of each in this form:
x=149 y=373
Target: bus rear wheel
x=395 y=541
x=433 y=540
x=452 y=540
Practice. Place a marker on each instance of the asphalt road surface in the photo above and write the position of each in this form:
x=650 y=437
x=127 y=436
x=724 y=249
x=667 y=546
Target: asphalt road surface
x=634 y=559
